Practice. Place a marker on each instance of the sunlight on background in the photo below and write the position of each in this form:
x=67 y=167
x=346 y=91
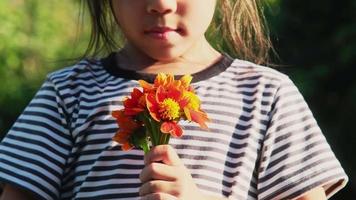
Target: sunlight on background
x=34 y=36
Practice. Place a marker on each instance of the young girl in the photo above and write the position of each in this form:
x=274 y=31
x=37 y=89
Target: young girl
x=262 y=142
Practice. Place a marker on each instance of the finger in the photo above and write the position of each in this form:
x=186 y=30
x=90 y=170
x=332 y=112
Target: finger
x=156 y=186
x=159 y=196
x=158 y=171
x=164 y=153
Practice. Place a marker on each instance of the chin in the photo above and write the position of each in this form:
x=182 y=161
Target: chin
x=165 y=55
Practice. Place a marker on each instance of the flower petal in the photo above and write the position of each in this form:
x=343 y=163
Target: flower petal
x=129 y=103
x=183 y=102
x=171 y=128
x=174 y=93
x=133 y=111
x=161 y=94
x=126 y=123
x=134 y=104
x=116 y=113
x=199 y=117
x=121 y=137
x=187 y=113
x=147 y=87
x=126 y=146
x=136 y=94
x=160 y=79
x=169 y=79
x=193 y=100
x=186 y=79
x=152 y=106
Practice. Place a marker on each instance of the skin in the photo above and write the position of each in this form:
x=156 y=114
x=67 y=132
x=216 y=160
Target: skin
x=11 y=192
x=185 y=51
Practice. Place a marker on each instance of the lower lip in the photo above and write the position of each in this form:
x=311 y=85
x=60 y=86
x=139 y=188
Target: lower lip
x=161 y=35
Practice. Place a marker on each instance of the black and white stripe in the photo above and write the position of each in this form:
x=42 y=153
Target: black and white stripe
x=262 y=143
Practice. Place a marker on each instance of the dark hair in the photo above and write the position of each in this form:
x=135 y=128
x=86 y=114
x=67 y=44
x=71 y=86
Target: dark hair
x=241 y=22
x=104 y=29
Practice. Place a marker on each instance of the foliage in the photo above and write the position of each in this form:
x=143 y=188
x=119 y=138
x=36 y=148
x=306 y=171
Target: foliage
x=316 y=42
x=34 y=35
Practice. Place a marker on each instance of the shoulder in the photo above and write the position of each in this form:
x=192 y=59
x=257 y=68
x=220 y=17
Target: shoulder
x=244 y=68
x=83 y=70
x=245 y=72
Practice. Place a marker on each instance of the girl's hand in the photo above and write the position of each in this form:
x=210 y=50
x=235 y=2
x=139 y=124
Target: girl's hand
x=165 y=177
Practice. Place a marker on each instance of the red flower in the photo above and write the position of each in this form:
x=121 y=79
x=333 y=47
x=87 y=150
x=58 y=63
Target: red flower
x=127 y=126
x=135 y=104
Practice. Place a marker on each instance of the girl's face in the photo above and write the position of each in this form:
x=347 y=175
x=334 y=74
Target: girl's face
x=164 y=29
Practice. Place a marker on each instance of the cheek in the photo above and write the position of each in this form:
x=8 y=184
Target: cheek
x=129 y=23
x=199 y=19
x=127 y=12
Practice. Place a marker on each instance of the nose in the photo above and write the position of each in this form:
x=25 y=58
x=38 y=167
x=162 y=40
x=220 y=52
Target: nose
x=161 y=6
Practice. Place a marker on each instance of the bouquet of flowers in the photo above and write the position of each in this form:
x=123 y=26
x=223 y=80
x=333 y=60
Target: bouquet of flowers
x=151 y=115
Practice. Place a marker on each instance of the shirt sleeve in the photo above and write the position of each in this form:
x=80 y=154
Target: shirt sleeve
x=295 y=155
x=35 y=150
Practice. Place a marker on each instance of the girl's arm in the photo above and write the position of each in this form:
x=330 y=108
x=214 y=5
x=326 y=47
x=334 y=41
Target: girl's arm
x=15 y=193
x=316 y=193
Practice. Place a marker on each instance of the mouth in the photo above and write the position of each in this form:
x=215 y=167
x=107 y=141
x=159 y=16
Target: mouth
x=163 y=32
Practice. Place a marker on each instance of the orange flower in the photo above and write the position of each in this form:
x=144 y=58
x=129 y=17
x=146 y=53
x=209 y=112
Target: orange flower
x=127 y=126
x=171 y=128
x=192 y=110
x=172 y=100
x=166 y=81
x=167 y=105
x=135 y=104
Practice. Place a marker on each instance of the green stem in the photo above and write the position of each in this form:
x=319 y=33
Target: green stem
x=152 y=131
x=167 y=138
x=162 y=138
x=146 y=147
x=155 y=136
x=149 y=127
x=155 y=131
x=159 y=133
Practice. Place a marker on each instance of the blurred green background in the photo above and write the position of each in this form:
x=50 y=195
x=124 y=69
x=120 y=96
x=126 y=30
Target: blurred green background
x=316 y=42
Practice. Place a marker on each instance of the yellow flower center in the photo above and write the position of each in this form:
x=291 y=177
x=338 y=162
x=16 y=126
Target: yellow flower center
x=169 y=109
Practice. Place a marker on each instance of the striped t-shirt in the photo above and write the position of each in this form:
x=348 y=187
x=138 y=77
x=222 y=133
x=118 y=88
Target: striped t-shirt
x=263 y=142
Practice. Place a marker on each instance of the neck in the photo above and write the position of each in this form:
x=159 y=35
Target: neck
x=197 y=58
